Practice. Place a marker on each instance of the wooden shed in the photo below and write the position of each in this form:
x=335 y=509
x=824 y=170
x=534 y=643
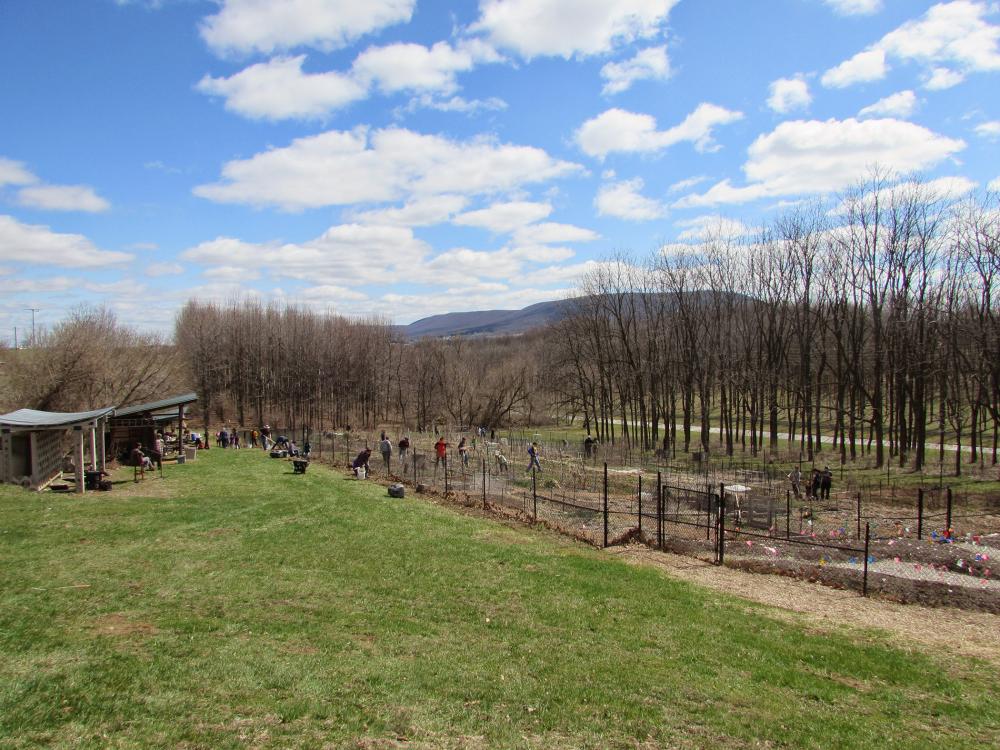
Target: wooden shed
x=139 y=423
x=34 y=443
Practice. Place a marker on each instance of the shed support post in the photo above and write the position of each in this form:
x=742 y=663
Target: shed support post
x=93 y=447
x=101 y=458
x=79 y=460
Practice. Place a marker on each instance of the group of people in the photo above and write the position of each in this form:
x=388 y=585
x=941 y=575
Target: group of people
x=225 y=438
x=361 y=468
x=817 y=488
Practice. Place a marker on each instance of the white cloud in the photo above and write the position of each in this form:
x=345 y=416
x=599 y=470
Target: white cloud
x=570 y=274
x=686 y=183
x=379 y=255
x=619 y=130
x=164 y=269
x=864 y=66
x=46 y=197
x=703 y=228
x=549 y=232
x=956 y=34
x=647 y=64
x=565 y=28
x=343 y=168
x=815 y=157
x=455 y=104
x=855 y=7
x=901 y=104
x=235 y=274
x=939 y=79
x=38 y=286
x=994 y=184
x=500 y=218
x=14 y=173
x=625 y=200
x=243 y=26
x=361 y=253
x=946 y=188
x=324 y=293
x=279 y=89
x=37 y=244
x=400 y=67
x=989 y=130
x=421 y=212
x=950 y=187
x=62 y=198
x=788 y=94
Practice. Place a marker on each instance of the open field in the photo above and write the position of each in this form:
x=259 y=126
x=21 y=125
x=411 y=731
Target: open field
x=234 y=604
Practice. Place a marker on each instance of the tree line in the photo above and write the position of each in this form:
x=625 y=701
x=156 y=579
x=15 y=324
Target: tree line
x=872 y=325
x=255 y=363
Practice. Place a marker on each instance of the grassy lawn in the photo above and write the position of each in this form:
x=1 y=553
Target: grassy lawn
x=234 y=604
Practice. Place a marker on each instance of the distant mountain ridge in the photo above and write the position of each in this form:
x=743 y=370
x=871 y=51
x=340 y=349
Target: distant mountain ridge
x=487 y=322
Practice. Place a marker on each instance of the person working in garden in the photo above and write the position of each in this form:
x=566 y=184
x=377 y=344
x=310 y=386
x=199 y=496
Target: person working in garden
x=360 y=464
x=440 y=454
x=533 y=458
x=795 y=477
x=814 y=484
x=463 y=451
x=385 y=448
x=826 y=482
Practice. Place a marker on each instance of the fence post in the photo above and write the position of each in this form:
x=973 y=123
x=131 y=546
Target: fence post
x=605 y=503
x=788 y=514
x=445 y=476
x=859 y=515
x=659 y=510
x=484 y=484
x=721 y=533
x=947 y=518
x=920 y=513
x=864 y=581
x=640 y=504
x=534 y=497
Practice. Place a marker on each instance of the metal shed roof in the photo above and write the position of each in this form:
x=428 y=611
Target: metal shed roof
x=166 y=403
x=32 y=419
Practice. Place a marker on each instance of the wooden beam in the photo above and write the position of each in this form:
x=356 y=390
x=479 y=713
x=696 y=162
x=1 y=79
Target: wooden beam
x=79 y=459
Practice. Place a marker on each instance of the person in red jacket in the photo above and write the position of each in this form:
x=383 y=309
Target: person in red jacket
x=440 y=454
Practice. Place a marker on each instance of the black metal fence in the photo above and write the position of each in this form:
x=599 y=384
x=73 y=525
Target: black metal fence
x=737 y=517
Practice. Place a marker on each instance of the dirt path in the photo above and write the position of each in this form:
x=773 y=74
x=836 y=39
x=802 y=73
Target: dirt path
x=943 y=629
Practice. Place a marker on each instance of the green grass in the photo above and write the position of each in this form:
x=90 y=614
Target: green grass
x=258 y=608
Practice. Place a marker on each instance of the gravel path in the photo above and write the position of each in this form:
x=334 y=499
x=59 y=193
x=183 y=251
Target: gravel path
x=922 y=572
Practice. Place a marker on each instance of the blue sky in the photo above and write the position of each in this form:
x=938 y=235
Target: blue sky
x=407 y=157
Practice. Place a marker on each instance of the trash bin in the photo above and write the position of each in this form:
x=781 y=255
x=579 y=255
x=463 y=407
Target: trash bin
x=190 y=454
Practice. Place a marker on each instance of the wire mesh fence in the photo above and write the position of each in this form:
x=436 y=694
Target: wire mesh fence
x=729 y=512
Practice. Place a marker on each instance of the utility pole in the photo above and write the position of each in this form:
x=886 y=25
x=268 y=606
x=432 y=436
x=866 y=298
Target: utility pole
x=33 y=311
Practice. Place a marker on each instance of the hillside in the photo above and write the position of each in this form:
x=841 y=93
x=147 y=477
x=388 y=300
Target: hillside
x=487 y=322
